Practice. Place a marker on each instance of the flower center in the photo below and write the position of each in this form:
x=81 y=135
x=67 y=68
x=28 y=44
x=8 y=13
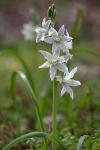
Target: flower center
x=57 y=39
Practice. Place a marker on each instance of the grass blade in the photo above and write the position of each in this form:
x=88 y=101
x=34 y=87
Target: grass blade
x=77 y=23
x=31 y=93
x=81 y=141
x=23 y=138
x=17 y=55
x=57 y=141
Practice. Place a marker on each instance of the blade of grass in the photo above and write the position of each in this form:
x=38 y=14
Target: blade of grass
x=34 y=134
x=32 y=95
x=77 y=23
x=17 y=55
x=23 y=138
x=57 y=141
x=82 y=140
x=87 y=51
x=82 y=104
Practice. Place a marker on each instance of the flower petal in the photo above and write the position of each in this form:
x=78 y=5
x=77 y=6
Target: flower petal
x=43 y=22
x=47 y=25
x=48 y=40
x=69 y=44
x=59 y=78
x=38 y=38
x=64 y=47
x=62 y=67
x=63 y=59
x=71 y=74
x=61 y=31
x=56 y=47
x=63 y=91
x=46 y=55
x=69 y=90
x=52 y=72
x=39 y=29
x=73 y=83
x=45 y=65
x=52 y=32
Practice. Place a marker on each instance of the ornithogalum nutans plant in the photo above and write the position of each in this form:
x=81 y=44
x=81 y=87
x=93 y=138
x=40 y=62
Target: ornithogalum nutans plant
x=57 y=61
x=57 y=58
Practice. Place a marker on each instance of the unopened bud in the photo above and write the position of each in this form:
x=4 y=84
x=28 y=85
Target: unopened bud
x=52 y=13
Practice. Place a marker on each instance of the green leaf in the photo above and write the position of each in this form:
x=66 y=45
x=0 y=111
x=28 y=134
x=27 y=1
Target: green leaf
x=77 y=23
x=85 y=50
x=57 y=141
x=82 y=140
x=17 y=55
x=31 y=93
x=88 y=144
x=29 y=90
x=82 y=104
x=23 y=138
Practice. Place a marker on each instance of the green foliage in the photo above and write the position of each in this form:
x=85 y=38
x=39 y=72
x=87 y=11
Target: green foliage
x=77 y=24
x=76 y=114
x=23 y=138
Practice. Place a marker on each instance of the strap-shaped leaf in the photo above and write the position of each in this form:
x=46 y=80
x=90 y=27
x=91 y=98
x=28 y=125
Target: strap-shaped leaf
x=16 y=54
x=31 y=93
x=23 y=138
x=77 y=23
x=83 y=139
x=29 y=90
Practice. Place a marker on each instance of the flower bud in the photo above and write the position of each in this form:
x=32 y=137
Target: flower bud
x=52 y=13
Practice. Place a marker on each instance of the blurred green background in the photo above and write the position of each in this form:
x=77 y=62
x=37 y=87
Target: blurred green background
x=81 y=116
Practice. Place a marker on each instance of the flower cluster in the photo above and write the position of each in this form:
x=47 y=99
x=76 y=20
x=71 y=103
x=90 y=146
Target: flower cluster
x=60 y=54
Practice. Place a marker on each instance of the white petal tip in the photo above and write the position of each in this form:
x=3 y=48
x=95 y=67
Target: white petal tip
x=72 y=98
x=52 y=78
x=39 y=67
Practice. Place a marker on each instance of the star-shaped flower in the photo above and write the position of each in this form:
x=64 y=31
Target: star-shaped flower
x=59 y=40
x=67 y=81
x=54 y=62
x=42 y=32
x=28 y=31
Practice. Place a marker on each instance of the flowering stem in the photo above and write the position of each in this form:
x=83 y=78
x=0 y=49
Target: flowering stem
x=54 y=115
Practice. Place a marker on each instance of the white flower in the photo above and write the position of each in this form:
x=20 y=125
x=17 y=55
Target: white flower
x=67 y=81
x=54 y=62
x=59 y=40
x=28 y=31
x=42 y=32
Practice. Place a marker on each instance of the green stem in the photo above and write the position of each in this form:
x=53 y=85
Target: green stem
x=54 y=116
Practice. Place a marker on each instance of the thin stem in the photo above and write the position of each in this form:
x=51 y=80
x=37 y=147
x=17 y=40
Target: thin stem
x=54 y=116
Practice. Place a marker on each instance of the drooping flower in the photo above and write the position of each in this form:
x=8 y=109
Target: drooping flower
x=59 y=40
x=67 y=82
x=42 y=32
x=54 y=62
x=28 y=31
